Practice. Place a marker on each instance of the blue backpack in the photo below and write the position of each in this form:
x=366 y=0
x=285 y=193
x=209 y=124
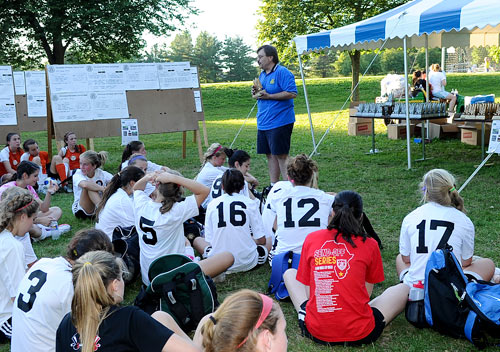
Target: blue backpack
x=457 y=306
x=281 y=263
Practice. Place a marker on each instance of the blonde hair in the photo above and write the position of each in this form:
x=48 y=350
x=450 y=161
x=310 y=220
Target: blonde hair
x=211 y=151
x=15 y=202
x=435 y=67
x=96 y=159
x=234 y=321
x=438 y=186
x=303 y=171
x=92 y=274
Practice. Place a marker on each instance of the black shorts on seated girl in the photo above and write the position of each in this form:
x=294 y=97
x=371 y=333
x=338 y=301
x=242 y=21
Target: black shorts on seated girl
x=372 y=337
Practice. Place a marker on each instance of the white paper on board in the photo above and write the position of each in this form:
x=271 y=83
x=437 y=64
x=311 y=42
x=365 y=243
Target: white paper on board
x=141 y=76
x=7 y=111
x=67 y=107
x=19 y=83
x=106 y=78
x=194 y=77
x=109 y=105
x=197 y=101
x=68 y=78
x=6 y=82
x=37 y=105
x=494 y=146
x=35 y=82
x=129 y=131
x=174 y=75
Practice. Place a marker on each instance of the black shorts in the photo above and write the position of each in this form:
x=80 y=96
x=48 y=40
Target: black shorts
x=275 y=141
x=372 y=336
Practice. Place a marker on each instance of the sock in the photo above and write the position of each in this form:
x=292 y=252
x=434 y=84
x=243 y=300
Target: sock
x=61 y=171
x=66 y=167
x=189 y=251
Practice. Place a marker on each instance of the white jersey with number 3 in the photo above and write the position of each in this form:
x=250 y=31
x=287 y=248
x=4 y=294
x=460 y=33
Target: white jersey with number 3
x=299 y=211
x=232 y=223
x=422 y=230
x=43 y=299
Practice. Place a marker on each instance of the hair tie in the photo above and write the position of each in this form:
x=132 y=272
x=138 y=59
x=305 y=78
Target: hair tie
x=87 y=263
x=267 y=305
x=452 y=189
x=213 y=319
x=119 y=174
x=24 y=207
x=75 y=252
x=216 y=150
x=424 y=189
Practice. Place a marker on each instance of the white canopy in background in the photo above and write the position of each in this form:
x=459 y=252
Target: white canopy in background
x=418 y=23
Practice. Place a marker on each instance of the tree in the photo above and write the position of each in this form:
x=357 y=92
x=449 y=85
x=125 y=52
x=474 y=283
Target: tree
x=321 y=65
x=157 y=53
x=97 y=29
x=181 y=48
x=285 y=19
x=206 y=56
x=237 y=60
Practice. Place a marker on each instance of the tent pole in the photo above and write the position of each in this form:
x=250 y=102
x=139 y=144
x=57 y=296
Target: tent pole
x=407 y=103
x=443 y=57
x=307 y=101
x=426 y=79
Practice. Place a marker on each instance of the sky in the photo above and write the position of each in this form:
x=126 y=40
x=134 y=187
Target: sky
x=220 y=18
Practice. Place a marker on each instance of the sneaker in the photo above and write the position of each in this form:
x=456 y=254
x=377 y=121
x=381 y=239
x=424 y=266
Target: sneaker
x=67 y=189
x=45 y=233
x=206 y=251
x=263 y=254
x=63 y=228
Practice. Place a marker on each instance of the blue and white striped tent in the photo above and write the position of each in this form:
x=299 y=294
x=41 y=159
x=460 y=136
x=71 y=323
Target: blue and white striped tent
x=445 y=22
x=418 y=23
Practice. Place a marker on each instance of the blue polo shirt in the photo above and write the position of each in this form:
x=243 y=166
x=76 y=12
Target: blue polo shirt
x=276 y=113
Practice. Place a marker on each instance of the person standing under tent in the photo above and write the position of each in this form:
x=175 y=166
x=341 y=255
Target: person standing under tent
x=275 y=116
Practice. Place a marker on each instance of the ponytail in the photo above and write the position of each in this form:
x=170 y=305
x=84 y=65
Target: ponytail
x=131 y=148
x=438 y=186
x=348 y=209
x=92 y=274
x=121 y=179
x=171 y=192
x=96 y=159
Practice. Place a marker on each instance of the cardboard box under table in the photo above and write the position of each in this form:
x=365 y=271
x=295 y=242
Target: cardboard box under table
x=471 y=134
x=440 y=131
x=398 y=130
x=360 y=128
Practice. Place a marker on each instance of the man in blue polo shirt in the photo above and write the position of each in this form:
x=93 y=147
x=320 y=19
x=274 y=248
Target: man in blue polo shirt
x=276 y=116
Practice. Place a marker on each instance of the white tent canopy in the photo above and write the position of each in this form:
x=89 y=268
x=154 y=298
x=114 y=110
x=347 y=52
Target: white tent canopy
x=418 y=23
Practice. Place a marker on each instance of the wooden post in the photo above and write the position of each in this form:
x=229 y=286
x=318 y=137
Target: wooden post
x=90 y=143
x=205 y=137
x=50 y=123
x=198 y=140
x=184 y=144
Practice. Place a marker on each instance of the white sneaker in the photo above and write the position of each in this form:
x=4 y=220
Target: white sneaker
x=45 y=233
x=56 y=233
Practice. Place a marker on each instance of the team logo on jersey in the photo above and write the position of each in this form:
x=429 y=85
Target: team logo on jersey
x=73 y=158
x=272 y=81
x=99 y=182
x=14 y=162
x=76 y=345
x=333 y=255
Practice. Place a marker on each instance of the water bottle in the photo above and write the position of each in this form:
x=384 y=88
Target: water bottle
x=415 y=308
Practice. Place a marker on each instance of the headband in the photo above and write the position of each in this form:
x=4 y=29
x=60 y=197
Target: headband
x=24 y=207
x=267 y=305
x=137 y=157
x=452 y=189
x=216 y=150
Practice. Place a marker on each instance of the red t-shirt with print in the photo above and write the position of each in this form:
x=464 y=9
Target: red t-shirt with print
x=336 y=272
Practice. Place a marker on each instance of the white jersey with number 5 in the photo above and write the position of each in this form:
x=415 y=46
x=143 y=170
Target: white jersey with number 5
x=422 y=230
x=232 y=223
x=160 y=234
x=43 y=299
x=299 y=211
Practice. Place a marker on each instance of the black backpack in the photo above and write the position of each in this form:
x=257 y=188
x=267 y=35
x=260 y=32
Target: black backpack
x=179 y=287
x=126 y=245
x=457 y=306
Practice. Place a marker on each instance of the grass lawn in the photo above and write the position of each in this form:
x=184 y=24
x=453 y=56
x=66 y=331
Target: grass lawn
x=389 y=190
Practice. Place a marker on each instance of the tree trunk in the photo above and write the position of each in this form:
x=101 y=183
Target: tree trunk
x=355 y=64
x=59 y=50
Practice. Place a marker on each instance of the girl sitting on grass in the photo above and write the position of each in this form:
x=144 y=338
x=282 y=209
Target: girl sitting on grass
x=301 y=209
x=98 y=323
x=159 y=222
x=233 y=223
x=26 y=177
x=246 y=321
x=89 y=182
x=422 y=230
x=67 y=161
x=10 y=156
x=138 y=147
x=331 y=288
x=117 y=207
x=18 y=209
